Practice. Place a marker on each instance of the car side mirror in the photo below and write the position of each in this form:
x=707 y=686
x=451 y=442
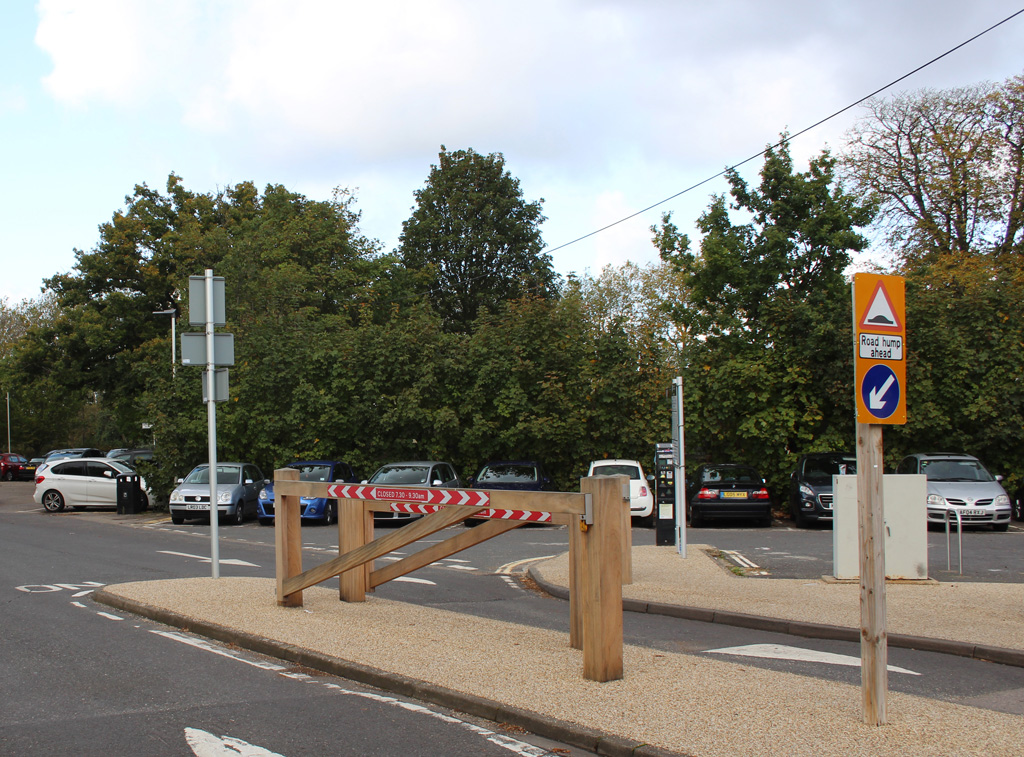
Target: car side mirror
x=437 y=483
x=365 y=481
x=267 y=482
x=650 y=477
x=248 y=481
x=179 y=480
x=999 y=478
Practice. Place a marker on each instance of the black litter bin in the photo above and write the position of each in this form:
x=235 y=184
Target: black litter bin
x=129 y=494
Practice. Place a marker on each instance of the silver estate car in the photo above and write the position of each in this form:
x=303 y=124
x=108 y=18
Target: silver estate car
x=960 y=483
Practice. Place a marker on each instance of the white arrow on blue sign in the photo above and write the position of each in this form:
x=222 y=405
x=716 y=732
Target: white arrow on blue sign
x=881 y=391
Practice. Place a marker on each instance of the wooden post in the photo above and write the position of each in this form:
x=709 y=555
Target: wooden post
x=288 y=538
x=575 y=599
x=601 y=581
x=871 y=519
x=627 y=535
x=352 y=535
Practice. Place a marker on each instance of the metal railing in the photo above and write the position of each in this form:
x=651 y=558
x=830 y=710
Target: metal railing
x=959 y=540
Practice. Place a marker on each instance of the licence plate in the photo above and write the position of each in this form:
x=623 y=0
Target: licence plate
x=734 y=495
x=973 y=512
x=197 y=507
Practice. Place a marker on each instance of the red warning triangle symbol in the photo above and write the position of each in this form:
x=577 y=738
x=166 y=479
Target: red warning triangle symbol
x=880 y=314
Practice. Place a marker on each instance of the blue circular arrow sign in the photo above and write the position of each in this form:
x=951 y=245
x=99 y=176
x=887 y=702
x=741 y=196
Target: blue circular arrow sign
x=880 y=391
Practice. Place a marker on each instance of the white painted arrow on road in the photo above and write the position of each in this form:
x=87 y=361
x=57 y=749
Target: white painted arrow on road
x=208 y=559
x=782 y=652
x=205 y=744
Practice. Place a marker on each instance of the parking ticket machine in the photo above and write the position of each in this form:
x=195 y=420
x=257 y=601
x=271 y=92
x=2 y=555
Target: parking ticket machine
x=664 y=495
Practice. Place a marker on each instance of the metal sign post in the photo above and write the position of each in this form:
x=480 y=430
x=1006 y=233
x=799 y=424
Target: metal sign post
x=879 y=327
x=206 y=308
x=679 y=446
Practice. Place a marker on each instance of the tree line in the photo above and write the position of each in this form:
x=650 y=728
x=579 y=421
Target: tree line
x=463 y=344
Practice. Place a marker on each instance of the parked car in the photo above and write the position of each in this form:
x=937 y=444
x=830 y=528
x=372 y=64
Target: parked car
x=131 y=456
x=810 y=485
x=413 y=473
x=728 y=491
x=81 y=482
x=513 y=475
x=960 y=483
x=641 y=487
x=238 y=491
x=71 y=453
x=315 y=509
x=15 y=467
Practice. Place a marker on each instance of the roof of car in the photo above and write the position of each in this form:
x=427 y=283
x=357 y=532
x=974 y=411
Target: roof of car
x=416 y=462
x=948 y=455
x=315 y=462
x=615 y=461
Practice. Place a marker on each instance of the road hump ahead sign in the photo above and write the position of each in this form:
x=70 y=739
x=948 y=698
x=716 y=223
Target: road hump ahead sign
x=880 y=335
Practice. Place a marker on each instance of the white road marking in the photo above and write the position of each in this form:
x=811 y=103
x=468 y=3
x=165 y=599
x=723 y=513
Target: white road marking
x=109 y=616
x=208 y=647
x=204 y=744
x=783 y=652
x=508 y=568
x=203 y=558
x=78 y=604
x=411 y=580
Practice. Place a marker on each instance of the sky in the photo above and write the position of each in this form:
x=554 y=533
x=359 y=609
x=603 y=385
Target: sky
x=600 y=107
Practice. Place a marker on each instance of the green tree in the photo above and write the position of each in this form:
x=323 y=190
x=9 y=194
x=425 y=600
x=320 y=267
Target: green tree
x=475 y=237
x=767 y=368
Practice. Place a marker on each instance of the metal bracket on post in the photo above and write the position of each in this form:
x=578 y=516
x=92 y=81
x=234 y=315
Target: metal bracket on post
x=587 y=519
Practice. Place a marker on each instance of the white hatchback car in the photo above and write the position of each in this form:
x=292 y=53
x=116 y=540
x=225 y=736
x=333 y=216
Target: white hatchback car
x=81 y=482
x=641 y=489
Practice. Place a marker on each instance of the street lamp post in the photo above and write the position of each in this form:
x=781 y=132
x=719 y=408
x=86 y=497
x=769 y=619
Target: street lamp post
x=174 y=354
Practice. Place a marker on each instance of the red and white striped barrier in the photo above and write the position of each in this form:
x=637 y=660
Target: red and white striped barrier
x=528 y=515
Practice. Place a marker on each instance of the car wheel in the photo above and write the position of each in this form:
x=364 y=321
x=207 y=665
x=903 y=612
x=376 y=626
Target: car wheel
x=9 y=476
x=1000 y=526
x=178 y=520
x=239 y=517
x=696 y=519
x=266 y=521
x=332 y=513
x=53 y=501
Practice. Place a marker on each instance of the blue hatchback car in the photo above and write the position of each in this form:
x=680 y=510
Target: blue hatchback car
x=316 y=509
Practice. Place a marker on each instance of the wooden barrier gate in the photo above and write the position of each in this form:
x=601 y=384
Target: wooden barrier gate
x=598 y=538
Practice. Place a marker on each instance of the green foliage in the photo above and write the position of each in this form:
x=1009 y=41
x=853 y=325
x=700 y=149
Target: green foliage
x=475 y=238
x=768 y=362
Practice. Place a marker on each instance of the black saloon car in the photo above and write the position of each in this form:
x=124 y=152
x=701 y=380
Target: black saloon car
x=728 y=492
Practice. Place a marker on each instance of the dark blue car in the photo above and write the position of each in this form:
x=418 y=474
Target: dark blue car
x=316 y=509
x=513 y=475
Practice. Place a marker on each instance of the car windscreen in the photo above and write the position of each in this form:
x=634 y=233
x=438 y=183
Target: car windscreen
x=401 y=474
x=618 y=470
x=508 y=474
x=313 y=472
x=730 y=476
x=230 y=474
x=955 y=470
x=819 y=470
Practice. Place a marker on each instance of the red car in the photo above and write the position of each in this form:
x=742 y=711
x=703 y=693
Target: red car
x=14 y=466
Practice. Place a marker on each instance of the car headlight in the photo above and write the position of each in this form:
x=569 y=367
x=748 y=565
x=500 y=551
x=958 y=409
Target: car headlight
x=807 y=491
x=263 y=495
x=177 y=498
x=224 y=497
x=1001 y=501
x=935 y=499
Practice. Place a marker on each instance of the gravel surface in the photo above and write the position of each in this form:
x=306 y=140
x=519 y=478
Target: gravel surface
x=688 y=704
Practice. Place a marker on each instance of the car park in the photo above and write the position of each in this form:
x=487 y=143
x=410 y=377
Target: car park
x=413 y=473
x=509 y=475
x=810 y=485
x=728 y=492
x=641 y=486
x=15 y=467
x=313 y=509
x=960 y=484
x=238 y=490
x=82 y=482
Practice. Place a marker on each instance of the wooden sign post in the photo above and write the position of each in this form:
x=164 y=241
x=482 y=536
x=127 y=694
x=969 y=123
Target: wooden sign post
x=879 y=327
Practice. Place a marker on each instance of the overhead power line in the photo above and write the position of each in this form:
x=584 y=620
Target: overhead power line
x=791 y=137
